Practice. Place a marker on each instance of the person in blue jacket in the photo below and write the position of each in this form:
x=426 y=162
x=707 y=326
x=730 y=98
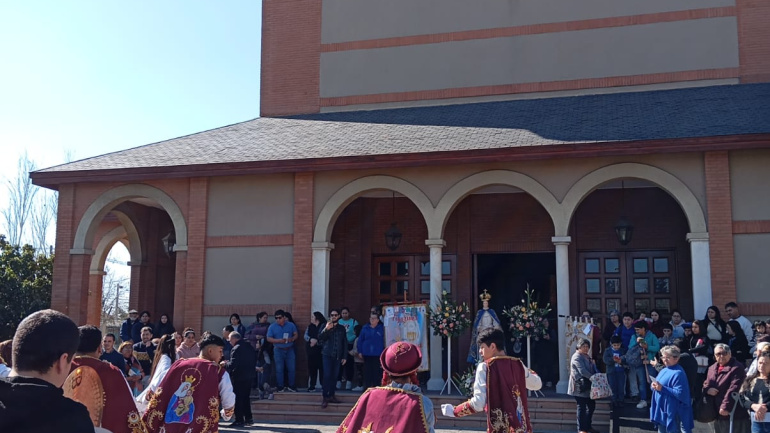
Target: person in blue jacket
x=371 y=344
x=671 y=409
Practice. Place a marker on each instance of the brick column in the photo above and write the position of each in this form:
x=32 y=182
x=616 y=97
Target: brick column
x=720 y=228
x=196 y=254
x=95 y=293
x=65 y=231
x=180 y=281
x=754 y=40
x=302 y=278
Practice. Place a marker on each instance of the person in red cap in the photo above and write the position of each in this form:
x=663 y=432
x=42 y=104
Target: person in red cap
x=500 y=386
x=399 y=406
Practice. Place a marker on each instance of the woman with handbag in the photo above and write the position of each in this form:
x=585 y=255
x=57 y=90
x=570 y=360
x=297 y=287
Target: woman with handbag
x=582 y=367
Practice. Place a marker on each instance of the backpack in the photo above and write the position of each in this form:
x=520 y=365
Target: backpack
x=634 y=356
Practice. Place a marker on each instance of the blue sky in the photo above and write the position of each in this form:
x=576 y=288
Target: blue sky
x=94 y=77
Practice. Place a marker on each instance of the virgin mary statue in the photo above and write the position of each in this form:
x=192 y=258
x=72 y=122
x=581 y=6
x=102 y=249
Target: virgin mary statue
x=485 y=318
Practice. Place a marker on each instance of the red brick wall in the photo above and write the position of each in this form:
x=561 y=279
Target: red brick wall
x=196 y=253
x=720 y=227
x=754 y=40
x=291 y=57
x=303 y=260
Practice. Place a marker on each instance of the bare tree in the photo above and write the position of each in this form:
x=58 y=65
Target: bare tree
x=21 y=196
x=41 y=219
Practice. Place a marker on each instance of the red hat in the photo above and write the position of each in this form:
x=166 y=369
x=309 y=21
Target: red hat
x=401 y=359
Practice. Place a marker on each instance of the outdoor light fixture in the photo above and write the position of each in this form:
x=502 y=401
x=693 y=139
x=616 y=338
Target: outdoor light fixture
x=168 y=243
x=393 y=234
x=623 y=228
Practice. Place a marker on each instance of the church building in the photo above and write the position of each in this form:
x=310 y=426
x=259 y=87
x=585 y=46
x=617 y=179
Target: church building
x=610 y=155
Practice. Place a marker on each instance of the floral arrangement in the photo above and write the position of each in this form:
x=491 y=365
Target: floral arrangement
x=465 y=381
x=448 y=319
x=527 y=319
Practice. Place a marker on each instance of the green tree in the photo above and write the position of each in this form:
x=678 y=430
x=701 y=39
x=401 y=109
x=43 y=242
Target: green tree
x=26 y=278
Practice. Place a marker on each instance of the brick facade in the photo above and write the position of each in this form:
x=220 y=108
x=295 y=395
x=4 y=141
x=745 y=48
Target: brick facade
x=720 y=226
x=754 y=40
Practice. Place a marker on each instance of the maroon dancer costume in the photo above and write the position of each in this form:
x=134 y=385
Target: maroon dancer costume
x=102 y=388
x=187 y=400
x=506 y=397
x=400 y=407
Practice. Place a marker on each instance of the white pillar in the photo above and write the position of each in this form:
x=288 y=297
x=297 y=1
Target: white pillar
x=562 y=306
x=319 y=300
x=436 y=382
x=701 y=272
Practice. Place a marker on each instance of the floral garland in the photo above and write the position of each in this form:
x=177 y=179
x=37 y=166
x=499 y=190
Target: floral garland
x=527 y=319
x=448 y=319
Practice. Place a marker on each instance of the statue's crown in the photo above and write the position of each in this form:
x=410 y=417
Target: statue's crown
x=485 y=296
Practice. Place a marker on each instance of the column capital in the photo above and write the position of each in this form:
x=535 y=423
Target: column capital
x=561 y=240
x=180 y=248
x=435 y=243
x=322 y=246
x=81 y=251
x=97 y=272
x=698 y=237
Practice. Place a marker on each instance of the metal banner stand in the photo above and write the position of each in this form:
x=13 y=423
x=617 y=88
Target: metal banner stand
x=529 y=362
x=449 y=382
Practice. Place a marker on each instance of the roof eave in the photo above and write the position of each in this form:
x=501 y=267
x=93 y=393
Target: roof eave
x=569 y=150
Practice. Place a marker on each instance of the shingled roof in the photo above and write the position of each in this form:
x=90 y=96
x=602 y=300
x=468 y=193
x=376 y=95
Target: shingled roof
x=622 y=117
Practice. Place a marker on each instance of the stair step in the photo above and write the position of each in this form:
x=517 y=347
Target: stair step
x=547 y=413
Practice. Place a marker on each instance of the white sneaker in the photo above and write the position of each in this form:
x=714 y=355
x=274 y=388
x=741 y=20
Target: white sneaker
x=339 y=385
x=349 y=386
x=642 y=404
x=358 y=388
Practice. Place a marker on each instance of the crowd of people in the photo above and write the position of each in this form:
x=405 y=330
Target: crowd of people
x=666 y=366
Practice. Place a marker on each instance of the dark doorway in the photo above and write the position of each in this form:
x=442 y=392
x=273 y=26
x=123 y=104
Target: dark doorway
x=505 y=277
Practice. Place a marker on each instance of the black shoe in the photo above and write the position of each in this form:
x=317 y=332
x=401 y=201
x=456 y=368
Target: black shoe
x=311 y=389
x=248 y=422
x=279 y=389
x=291 y=389
x=237 y=424
x=325 y=403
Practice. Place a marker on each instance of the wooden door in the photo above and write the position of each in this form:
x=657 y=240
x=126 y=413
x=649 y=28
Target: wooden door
x=635 y=281
x=396 y=275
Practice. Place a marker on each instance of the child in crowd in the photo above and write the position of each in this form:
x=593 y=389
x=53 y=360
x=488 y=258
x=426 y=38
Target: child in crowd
x=263 y=371
x=760 y=329
x=616 y=369
x=668 y=335
x=626 y=332
x=358 y=368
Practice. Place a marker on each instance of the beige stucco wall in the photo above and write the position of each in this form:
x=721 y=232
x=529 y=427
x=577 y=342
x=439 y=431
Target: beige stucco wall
x=251 y=205
x=750 y=184
x=248 y=275
x=213 y=324
x=345 y=20
x=607 y=52
x=558 y=176
x=752 y=267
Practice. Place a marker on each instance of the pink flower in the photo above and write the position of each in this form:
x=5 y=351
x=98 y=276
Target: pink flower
x=451 y=325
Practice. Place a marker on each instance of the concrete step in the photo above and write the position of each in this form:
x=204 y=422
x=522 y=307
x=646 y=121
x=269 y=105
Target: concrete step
x=556 y=413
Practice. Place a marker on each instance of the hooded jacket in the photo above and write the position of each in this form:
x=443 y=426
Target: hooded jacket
x=24 y=399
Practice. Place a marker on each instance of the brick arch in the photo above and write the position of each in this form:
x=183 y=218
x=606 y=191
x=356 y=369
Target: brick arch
x=345 y=195
x=465 y=187
x=84 y=236
x=665 y=180
x=125 y=233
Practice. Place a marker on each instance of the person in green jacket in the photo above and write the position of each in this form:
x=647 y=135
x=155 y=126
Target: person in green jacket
x=650 y=346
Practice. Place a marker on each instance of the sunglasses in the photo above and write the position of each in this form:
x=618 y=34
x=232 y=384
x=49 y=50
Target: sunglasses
x=334 y=315
x=278 y=317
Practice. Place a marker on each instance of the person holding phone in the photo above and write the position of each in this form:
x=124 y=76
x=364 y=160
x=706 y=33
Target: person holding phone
x=671 y=408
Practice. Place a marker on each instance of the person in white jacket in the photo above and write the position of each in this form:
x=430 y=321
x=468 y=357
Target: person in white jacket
x=498 y=378
x=165 y=355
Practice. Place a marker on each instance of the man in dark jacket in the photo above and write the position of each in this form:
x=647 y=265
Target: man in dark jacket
x=126 y=328
x=723 y=378
x=241 y=365
x=31 y=399
x=334 y=341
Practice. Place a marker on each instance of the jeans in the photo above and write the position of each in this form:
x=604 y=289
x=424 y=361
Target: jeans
x=290 y=359
x=677 y=427
x=638 y=376
x=372 y=371
x=331 y=370
x=618 y=384
x=314 y=367
x=760 y=427
x=585 y=412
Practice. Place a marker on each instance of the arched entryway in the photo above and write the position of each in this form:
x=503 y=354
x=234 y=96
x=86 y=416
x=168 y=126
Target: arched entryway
x=152 y=226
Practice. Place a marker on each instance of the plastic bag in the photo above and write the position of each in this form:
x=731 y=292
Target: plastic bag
x=600 y=386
